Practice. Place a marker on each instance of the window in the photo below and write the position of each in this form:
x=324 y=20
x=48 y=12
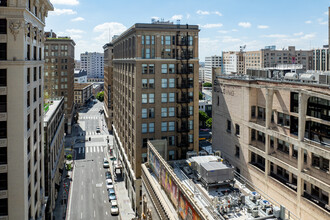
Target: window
x=171 y=126
x=164 y=112
x=253 y=111
x=164 y=126
x=164 y=83
x=144 y=142
x=228 y=126
x=287 y=120
x=34 y=94
x=144 y=83
x=144 y=113
x=164 y=97
x=142 y=39
x=261 y=137
x=171 y=68
x=171 y=112
x=3 y=129
x=151 y=68
x=280 y=118
x=28 y=122
x=171 y=97
x=144 y=128
x=152 y=127
x=3 y=26
x=35 y=74
x=144 y=68
x=39 y=72
x=35 y=115
x=148 y=53
x=171 y=155
x=28 y=99
x=171 y=140
x=171 y=83
x=237 y=151
x=164 y=68
x=28 y=77
x=147 y=40
x=167 y=40
x=191 y=125
x=191 y=138
x=191 y=110
x=237 y=129
x=151 y=112
x=151 y=83
x=3 y=51
x=151 y=98
x=144 y=98
x=261 y=113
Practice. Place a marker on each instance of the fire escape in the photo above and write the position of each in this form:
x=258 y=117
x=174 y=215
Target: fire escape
x=184 y=69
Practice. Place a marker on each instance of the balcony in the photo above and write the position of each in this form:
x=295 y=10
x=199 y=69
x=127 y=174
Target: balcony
x=183 y=114
x=183 y=100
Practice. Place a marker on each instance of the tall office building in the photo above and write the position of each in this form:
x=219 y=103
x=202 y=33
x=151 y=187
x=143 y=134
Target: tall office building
x=94 y=64
x=108 y=84
x=270 y=57
x=59 y=73
x=321 y=59
x=22 y=187
x=155 y=95
x=54 y=151
x=277 y=135
x=232 y=62
x=210 y=63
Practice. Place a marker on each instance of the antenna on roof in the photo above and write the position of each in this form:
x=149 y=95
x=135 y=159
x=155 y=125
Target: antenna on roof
x=242 y=48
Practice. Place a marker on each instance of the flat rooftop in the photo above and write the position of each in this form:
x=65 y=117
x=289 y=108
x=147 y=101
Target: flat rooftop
x=50 y=108
x=81 y=86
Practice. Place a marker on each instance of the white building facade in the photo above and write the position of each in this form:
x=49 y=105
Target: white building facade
x=93 y=63
x=211 y=62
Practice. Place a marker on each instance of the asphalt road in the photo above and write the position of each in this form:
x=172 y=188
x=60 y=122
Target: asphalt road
x=89 y=197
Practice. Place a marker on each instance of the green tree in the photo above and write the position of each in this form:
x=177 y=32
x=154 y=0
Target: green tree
x=209 y=123
x=207 y=84
x=100 y=96
x=200 y=96
x=202 y=118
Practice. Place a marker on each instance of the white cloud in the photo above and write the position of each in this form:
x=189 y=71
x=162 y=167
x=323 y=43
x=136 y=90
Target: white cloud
x=65 y=2
x=217 y=13
x=263 y=26
x=78 y=19
x=308 y=22
x=275 y=35
x=156 y=18
x=62 y=12
x=234 y=30
x=76 y=37
x=188 y=16
x=200 y=12
x=176 y=17
x=326 y=13
x=212 y=25
x=298 y=34
x=223 y=32
x=75 y=31
x=229 y=39
x=308 y=36
x=244 y=24
x=322 y=22
x=107 y=30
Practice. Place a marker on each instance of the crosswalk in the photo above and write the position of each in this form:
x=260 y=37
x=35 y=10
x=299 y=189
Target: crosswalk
x=88 y=117
x=91 y=149
x=90 y=133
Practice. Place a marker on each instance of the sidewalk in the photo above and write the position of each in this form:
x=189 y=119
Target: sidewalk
x=124 y=204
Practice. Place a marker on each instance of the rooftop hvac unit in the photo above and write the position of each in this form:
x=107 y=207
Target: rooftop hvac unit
x=255 y=213
x=291 y=76
x=217 y=153
x=307 y=77
x=324 y=79
x=254 y=196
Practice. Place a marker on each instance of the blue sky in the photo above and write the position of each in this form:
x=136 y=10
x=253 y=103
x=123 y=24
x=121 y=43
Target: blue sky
x=224 y=24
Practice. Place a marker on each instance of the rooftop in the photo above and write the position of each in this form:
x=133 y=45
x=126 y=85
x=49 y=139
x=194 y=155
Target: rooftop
x=50 y=108
x=81 y=86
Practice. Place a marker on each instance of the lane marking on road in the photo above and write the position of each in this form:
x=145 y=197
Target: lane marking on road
x=106 y=213
x=100 y=168
x=103 y=191
x=81 y=197
x=101 y=149
x=82 y=183
x=86 y=149
x=93 y=195
x=92 y=182
x=94 y=150
x=92 y=170
x=105 y=201
x=94 y=213
x=97 y=149
x=81 y=215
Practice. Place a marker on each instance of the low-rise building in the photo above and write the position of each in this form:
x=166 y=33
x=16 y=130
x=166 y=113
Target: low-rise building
x=80 y=76
x=274 y=127
x=82 y=93
x=210 y=63
x=205 y=106
x=232 y=62
x=54 y=151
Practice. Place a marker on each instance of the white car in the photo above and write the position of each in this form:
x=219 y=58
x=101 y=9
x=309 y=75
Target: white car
x=109 y=184
x=114 y=208
x=105 y=163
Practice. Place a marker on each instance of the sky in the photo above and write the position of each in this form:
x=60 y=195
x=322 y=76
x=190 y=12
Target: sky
x=225 y=25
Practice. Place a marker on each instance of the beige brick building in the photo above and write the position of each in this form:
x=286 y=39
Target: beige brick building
x=59 y=73
x=270 y=57
x=233 y=62
x=22 y=186
x=277 y=135
x=82 y=93
x=108 y=84
x=155 y=95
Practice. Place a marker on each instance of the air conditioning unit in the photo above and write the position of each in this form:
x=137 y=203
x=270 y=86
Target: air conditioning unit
x=217 y=153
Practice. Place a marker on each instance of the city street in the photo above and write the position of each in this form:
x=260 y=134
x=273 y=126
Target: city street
x=88 y=195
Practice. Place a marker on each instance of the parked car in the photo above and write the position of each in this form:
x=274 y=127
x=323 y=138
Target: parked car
x=109 y=184
x=105 y=163
x=108 y=175
x=111 y=190
x=114 y=208
x=112 y=195
x=98 y=130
